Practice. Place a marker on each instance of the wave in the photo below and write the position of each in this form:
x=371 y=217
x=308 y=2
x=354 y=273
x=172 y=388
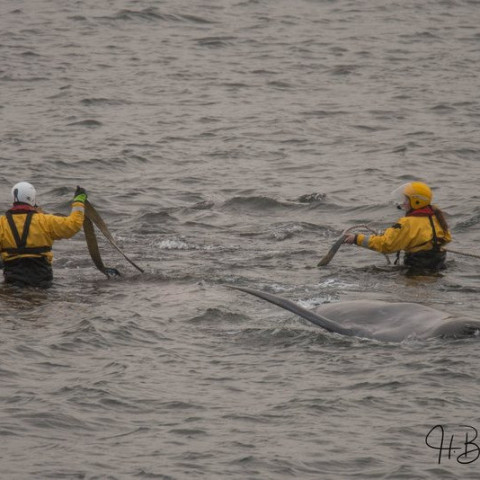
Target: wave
x=89 y=102
x=466 y=225
x=180 y=244
x=216 y=41
x=203 y=205
x=216 y=316
x=11 y=78
x=286 y=231
x=86 y=123
x=311 y=197
x=152 y=14
x=255 y=203
x=324 y=113
x=442 y=108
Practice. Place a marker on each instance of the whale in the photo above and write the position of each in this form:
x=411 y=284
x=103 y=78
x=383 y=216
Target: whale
x=378 y=320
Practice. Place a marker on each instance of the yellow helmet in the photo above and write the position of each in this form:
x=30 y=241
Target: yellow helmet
x=418 y=193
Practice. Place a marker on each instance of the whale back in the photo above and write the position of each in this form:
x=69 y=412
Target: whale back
x=385 y=320
x=378 y=320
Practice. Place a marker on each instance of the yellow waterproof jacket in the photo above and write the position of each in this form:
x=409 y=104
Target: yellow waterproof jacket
x=43 y=231
x=411 y=234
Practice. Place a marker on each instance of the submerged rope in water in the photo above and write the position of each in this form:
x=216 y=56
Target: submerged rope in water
x=449 y=250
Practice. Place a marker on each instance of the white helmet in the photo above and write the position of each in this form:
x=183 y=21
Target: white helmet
x=24 y=192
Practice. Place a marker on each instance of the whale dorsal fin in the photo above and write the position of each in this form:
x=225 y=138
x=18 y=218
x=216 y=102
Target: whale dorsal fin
x=318 y=320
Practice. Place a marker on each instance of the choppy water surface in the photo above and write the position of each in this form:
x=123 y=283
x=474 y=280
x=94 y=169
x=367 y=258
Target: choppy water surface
x=231 y=142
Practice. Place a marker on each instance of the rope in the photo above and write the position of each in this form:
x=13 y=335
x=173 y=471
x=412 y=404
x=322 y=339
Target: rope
x=366 y=227
x=92 y=217
x=335 y=247
x=449 y=250
x=356 y=227
x=92 y=245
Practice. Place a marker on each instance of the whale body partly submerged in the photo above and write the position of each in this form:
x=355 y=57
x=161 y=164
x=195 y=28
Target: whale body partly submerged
x=391 y=322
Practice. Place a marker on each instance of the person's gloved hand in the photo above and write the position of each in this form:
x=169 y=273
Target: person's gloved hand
x=350 y=238
x=80 y=195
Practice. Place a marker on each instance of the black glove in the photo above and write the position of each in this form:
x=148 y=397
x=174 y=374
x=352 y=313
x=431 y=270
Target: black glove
x=80 y=195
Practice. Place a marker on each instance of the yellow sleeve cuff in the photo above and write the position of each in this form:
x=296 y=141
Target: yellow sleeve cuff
x=78 y=207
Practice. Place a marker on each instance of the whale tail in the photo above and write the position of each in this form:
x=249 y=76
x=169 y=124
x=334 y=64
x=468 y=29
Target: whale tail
x=316 y=319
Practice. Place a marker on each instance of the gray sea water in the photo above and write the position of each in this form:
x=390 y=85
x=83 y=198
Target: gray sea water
x=231 y=142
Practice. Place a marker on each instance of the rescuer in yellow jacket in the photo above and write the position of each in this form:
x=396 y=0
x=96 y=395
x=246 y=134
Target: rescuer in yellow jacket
x=27 y=236
x=421 y=233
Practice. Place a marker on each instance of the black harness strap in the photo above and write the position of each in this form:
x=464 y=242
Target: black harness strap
x=397 y=258
x=435 y=240
x=22 y=249
x=436 y=245
x=14 y=230
x=26 y=250
x=26 y=229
